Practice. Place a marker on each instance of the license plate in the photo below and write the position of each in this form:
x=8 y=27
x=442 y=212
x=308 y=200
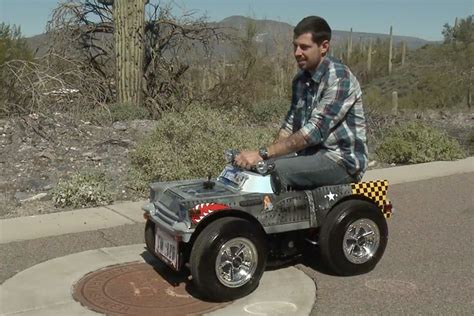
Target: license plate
x=167 y=248
x=234 y=175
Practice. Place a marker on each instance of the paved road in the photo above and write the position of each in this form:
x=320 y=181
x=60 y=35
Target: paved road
x=17 y=256
x=428 y=267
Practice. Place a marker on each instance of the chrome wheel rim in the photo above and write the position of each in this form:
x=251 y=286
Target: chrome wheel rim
x=236 y=262
x=361 y=241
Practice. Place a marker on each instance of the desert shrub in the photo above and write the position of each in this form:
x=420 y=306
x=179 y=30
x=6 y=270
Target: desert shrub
x=470 y=142
x=374 y=98
x=191 y=145
x=12 y=47
x=268 y=111
x=127 y=112
x=417 y=143
x=85 y=189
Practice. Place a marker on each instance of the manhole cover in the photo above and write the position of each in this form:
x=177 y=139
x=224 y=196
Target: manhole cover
x=391 y=286
x=137 y=289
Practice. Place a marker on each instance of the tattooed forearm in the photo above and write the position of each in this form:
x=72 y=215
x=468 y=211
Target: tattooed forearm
x=290 y=144
x=282 y=135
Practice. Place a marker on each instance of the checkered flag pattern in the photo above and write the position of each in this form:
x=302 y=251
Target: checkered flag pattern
x=374 y=190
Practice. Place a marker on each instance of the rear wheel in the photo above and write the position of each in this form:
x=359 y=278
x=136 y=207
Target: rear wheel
x=228 y=259
x=353 y=237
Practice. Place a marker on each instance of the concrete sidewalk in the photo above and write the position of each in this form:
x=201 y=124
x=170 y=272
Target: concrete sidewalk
x=45 y=289
x=32 y=227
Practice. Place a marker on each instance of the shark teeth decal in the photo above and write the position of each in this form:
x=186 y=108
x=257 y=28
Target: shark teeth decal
x=203 y=209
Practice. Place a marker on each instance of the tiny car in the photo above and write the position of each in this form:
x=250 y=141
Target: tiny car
x=224 y=230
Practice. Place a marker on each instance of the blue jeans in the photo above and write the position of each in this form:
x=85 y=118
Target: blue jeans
x=311 y=171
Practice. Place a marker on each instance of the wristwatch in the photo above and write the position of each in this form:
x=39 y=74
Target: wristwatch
x=263 y=152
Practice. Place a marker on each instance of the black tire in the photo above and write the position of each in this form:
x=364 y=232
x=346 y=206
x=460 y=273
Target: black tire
x=205 y=253
x=337 y=223
x=150 y=238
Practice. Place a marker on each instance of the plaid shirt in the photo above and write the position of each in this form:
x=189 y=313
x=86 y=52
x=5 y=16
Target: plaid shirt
x=327 y=109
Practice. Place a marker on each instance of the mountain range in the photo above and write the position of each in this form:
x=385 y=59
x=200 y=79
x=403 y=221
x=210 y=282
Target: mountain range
x=270 y=34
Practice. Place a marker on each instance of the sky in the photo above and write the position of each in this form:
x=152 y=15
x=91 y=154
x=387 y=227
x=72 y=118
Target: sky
x=418 y=18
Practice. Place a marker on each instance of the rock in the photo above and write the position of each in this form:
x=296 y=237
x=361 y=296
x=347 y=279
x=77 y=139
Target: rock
x=35 y=184
x=144 y=125
x=23 y=197
x=119 y=142
x=120 y=126
x=48 y=187
x=96 y=158
x=4 y=185
x=24 y=147
x=372 y=163
x=45 y=154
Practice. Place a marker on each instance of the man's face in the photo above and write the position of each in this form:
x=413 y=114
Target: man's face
x=307 y=53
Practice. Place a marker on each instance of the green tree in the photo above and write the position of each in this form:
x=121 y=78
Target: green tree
x=12 y=44
x=463 y=32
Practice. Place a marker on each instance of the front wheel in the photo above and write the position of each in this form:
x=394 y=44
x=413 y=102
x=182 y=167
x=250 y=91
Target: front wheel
x=353 y=237
x=228 y=259
x=150 y=238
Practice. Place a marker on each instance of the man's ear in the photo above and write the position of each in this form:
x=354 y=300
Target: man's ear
x=324 y=47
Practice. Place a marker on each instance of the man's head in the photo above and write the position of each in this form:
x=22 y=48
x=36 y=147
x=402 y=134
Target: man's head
x=311 y=42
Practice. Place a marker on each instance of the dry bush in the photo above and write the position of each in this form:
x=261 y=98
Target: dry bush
x=51 y=83
x=251 y=76
x=83 y=30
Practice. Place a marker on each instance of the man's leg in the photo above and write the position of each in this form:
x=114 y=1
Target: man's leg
x=307 y=172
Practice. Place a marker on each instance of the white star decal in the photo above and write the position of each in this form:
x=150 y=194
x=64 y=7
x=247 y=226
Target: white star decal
x=331 y=196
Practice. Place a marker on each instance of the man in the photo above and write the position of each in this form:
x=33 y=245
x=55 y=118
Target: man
x=325 y=125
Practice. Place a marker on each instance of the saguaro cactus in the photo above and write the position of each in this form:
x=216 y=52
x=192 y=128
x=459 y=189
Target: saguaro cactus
x=129 y=33
x=369 y=57
x=404 y=52
x=395 y=103
x=349 y=47
x=390 y=52
x=129 y=16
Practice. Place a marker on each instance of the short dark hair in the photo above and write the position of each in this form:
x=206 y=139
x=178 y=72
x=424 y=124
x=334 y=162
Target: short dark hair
x=317 y=26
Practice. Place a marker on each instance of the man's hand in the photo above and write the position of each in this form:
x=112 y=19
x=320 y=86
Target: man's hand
x=288 y=144
x=247 y=159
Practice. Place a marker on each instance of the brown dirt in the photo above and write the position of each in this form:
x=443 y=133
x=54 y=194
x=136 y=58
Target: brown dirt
x=37 y=151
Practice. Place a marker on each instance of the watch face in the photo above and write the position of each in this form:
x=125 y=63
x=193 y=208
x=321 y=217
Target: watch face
x=263 y=153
